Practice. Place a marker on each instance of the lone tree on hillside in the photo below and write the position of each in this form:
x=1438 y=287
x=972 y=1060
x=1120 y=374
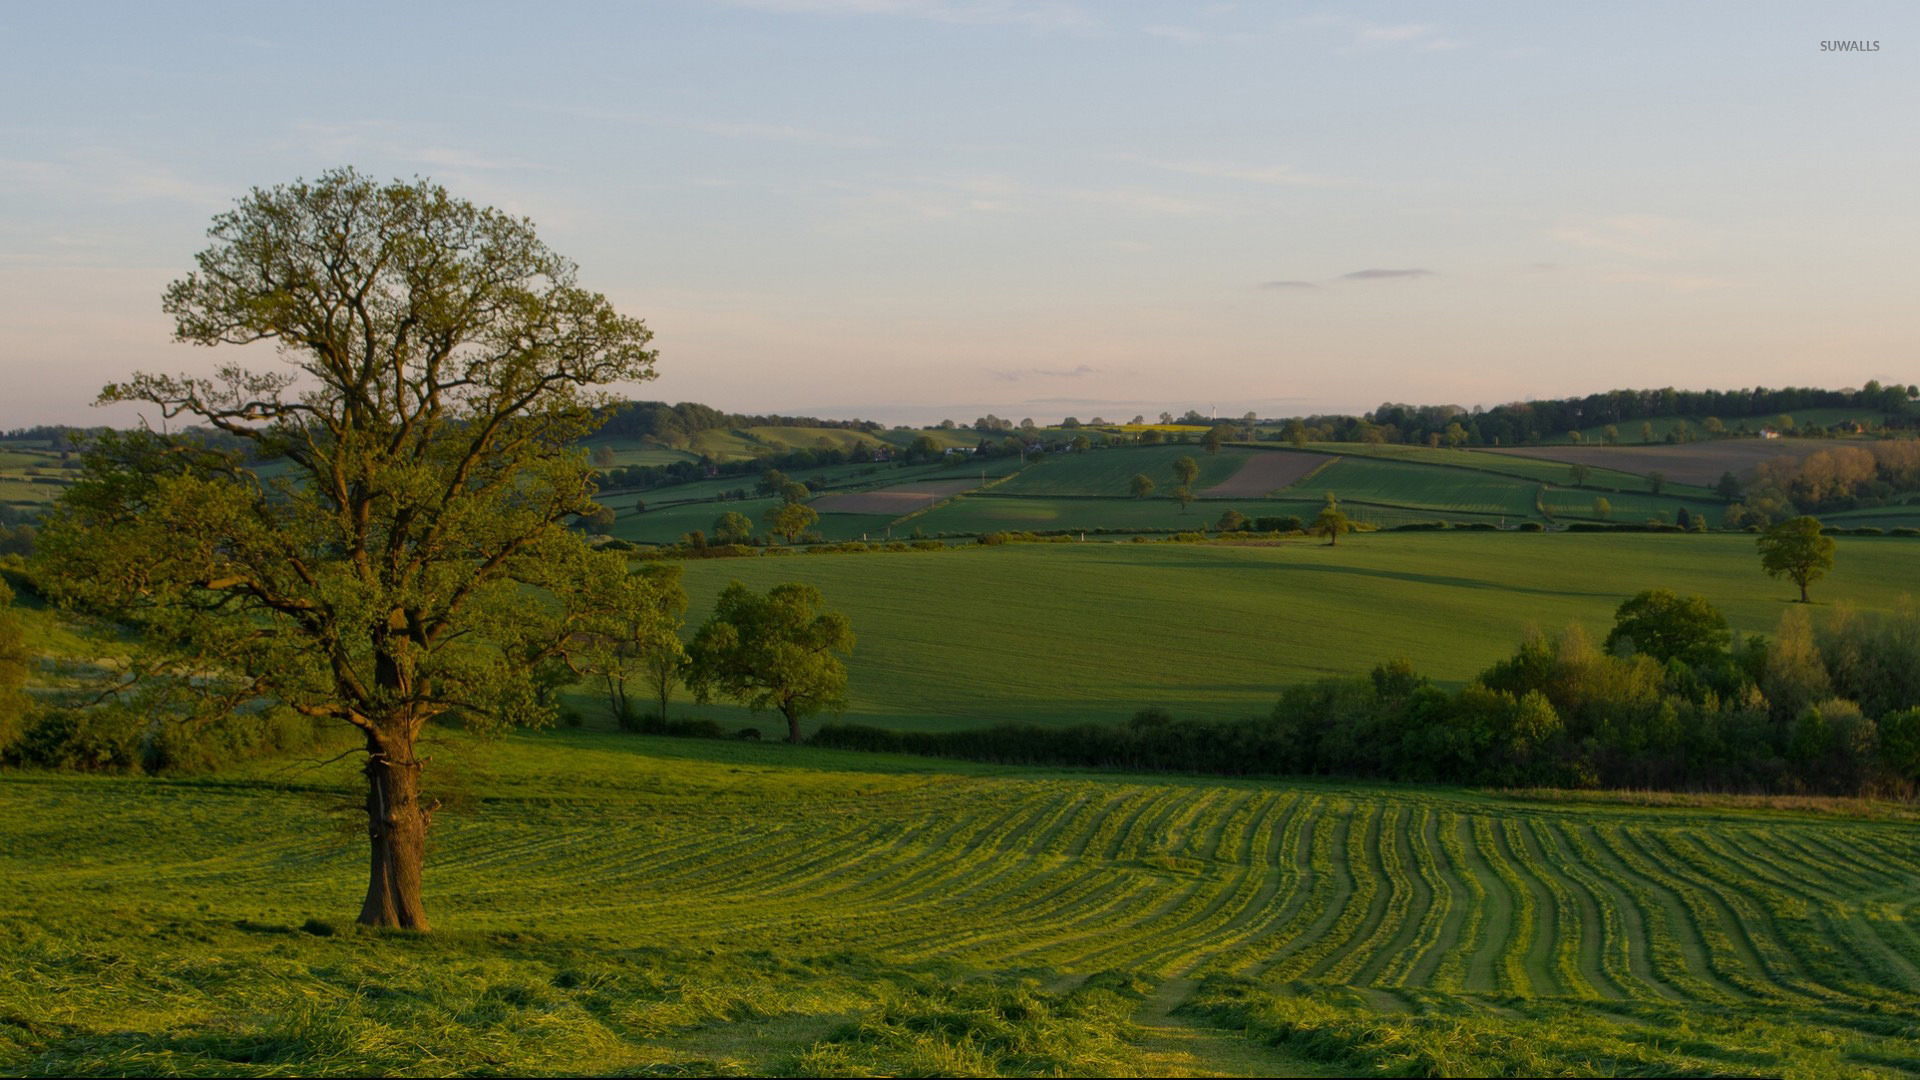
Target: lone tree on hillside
x=1796 y=550
x=1141 y=485
x=1330 y=524
x=1185 y=471
x=412 y=561
x=774 y=651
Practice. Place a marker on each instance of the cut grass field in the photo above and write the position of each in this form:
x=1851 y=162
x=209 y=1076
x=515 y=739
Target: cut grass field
x=611 y=904
x=1067 y=633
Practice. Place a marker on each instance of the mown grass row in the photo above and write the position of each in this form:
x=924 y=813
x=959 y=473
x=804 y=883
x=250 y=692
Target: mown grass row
x=810 y=911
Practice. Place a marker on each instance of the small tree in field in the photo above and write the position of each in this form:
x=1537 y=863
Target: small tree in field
x=411 y=562
x=1798 y=551
x=644 y=641
x=1185 y=471
x=1184 y=495
x=1330 y=524
x=732 y=527
x=774 y=651
x=1141 y=485
x=790 y=520
x=1602 y=508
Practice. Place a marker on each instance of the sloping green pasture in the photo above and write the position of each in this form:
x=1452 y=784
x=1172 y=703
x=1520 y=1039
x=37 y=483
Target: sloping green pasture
x=1524 y=468
x=1430 y=488
x=1067 y=633
x=1110 y=471
x=608 y=904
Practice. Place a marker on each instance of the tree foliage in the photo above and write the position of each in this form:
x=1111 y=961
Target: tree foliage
x=1665 y=626
x=411 y=561
x=1330 y=523
x=641 y=640
x=1796 y=550
x=1141 y=485
x=1185 y=471
x=773 y=652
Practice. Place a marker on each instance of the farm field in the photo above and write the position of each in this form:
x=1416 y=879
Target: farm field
x=1428 y=488
x=1697 y=463
x=1108 y=472
x=1539 y=470
x=991 y=511
x=613 y=904
x=1058 y=634
x=1265 y=472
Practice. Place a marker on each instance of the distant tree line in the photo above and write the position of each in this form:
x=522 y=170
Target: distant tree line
x=1842 y=478
x=1670 y=700
x=676 y=425
x=1526 y=422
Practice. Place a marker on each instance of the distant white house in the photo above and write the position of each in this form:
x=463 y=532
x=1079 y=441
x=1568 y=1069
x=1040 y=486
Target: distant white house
x=1769 y=433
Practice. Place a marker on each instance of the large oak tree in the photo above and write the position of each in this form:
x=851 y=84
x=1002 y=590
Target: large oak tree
x=393 y=550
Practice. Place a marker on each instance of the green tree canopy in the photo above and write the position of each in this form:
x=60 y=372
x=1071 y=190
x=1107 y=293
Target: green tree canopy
x=1796 y=550
x=790 y=520
x=411 y=560
x=1185 y=470
x=1141 y=485
x=1330 y=524
x=732 y=527
x=14 y=663
x=773 y=652
x=1666 y=626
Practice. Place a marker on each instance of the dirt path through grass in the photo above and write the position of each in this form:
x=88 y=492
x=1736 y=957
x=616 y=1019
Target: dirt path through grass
x=1176 y=1045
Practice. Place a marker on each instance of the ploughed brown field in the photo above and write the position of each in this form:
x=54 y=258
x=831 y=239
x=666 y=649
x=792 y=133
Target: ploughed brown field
x=893 y=500
x=1699 y=463
x=1267 y=472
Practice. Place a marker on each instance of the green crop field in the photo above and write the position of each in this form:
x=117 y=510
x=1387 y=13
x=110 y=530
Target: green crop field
x=608 y=904
x=1065 y=633
x=1534 y=470
x=991 y=511
x=1108 y=472
x=1434 y=489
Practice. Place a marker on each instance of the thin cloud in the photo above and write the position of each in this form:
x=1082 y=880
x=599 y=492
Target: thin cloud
x=1036 y=16
x=1074 y=373
x=1420 y=37
x=1288 y=285
x=1259 y=174
x=1639 y=236
x=1383 y=275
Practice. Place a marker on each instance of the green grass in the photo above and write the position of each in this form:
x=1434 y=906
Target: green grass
x=1075 y=632
x=609 y=904
x=1530 y=469
x=1110 y=472
x=1434 y=489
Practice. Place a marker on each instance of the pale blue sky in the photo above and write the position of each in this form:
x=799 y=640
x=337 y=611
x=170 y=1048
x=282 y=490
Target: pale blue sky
x=910 y=209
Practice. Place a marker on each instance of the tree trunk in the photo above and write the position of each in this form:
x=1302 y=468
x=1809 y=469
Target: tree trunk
x=1803 y=593
x=397 y=827
x=793 y=727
